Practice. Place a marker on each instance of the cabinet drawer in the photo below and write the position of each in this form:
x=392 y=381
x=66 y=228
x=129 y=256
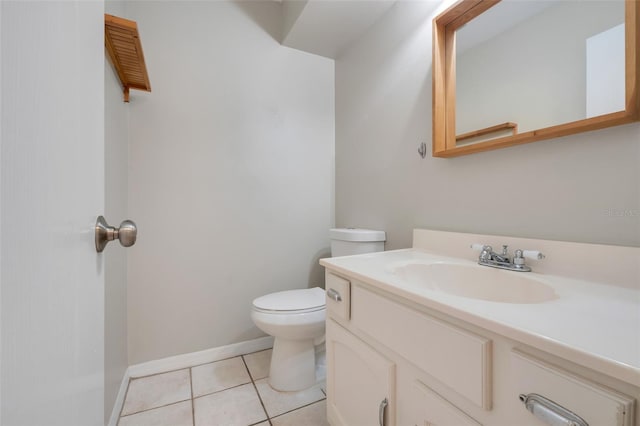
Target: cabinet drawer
x=338 y=296
x=456 y=357
x=426 y=407
x=594 y=403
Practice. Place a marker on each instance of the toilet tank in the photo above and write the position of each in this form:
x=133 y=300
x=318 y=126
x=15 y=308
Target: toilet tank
x=349 y=241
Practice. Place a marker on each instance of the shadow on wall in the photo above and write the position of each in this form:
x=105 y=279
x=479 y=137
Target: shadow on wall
x=265 y=14
x=316 y=272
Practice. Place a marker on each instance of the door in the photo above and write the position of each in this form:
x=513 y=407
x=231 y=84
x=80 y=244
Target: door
x=360 y=381
x=52 y=190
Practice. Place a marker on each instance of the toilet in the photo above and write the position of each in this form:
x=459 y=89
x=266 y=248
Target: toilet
x=296 y=318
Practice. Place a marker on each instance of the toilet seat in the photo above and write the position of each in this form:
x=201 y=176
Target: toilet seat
x=289 y=312
x=291 y=301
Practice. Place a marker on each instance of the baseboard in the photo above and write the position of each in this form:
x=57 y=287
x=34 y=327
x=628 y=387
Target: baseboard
x=119 y=402
x=196 y=358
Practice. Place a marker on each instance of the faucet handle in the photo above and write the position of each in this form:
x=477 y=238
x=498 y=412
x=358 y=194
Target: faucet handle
x=481 y=247
x=477 y=246
x=533 y=254
x=518 y=258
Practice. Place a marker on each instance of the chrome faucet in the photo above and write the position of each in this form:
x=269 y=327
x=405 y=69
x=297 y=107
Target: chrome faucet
x=488 y=257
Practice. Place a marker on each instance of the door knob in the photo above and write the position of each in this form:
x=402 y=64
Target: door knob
x=126 y=233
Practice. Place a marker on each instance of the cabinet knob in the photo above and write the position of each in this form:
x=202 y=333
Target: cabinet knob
x=333 y=294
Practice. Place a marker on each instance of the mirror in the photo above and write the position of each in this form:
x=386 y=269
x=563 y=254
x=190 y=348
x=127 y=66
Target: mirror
x=513 y=72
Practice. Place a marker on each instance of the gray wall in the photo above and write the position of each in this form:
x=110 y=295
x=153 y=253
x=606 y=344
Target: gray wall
x=583 y=188
x=230 y=175
x=116 y=135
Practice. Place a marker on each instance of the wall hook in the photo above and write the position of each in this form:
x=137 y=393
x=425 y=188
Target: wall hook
x=422 y=150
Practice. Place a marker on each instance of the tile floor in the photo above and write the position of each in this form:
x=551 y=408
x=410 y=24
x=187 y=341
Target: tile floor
x=231 y=392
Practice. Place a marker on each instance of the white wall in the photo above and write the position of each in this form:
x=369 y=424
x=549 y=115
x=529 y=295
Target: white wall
x=583 y=188
x=116 y=134
x=605 y=64
x=231 y=173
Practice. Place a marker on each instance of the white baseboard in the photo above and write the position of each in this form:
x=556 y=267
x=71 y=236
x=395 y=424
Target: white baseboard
x=119 y=402
x=184 y=361
x=196 y=358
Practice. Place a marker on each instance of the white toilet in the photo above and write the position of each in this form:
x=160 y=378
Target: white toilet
x=296 y=318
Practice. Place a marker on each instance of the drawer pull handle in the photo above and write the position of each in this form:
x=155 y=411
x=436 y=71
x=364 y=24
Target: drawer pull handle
x=549 y=412
x=334 y=295
x=381 y=410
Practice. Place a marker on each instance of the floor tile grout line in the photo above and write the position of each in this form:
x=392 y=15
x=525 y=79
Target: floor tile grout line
x=221 y=390
x=256 y=389
x=193 y=404
x=218 y=360
x=255 y=352
x=154 y=408
x=299 y=408
x=160 y=373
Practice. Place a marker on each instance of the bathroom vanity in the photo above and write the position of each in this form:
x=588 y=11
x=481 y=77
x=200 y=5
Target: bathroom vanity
x=425 y=336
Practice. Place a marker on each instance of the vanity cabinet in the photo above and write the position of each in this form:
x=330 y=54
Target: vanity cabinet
x=362 y=377
x=432 y=369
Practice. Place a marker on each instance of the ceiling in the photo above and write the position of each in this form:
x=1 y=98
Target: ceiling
x=327 y=27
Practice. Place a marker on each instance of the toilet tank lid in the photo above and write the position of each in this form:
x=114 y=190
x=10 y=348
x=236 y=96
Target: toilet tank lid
x=292 y=300
x=356 y=234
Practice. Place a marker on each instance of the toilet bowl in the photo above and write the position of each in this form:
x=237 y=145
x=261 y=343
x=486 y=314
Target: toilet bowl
x=295 y=318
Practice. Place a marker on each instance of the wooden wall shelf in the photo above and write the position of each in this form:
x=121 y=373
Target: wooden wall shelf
x=125 y=51
x=497 y=128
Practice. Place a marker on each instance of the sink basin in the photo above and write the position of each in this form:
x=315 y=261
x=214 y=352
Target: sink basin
x=477 y=282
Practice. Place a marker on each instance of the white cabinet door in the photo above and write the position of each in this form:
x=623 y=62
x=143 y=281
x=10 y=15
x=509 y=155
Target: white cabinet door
x=424 y=407
x=359 y=379
x=52 y=190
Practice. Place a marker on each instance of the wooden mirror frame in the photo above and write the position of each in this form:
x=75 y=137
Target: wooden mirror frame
x=444 y=84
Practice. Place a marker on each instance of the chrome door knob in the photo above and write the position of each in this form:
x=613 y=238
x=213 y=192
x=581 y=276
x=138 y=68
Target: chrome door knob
x=126 y=233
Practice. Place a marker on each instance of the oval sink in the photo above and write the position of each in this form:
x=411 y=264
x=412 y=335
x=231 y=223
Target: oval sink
x=477 y=282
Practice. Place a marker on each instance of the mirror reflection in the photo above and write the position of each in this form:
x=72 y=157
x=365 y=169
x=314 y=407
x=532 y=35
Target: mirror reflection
x=526 y=65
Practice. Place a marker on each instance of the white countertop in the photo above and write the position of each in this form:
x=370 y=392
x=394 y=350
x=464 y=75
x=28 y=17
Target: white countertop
x=591 y=324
